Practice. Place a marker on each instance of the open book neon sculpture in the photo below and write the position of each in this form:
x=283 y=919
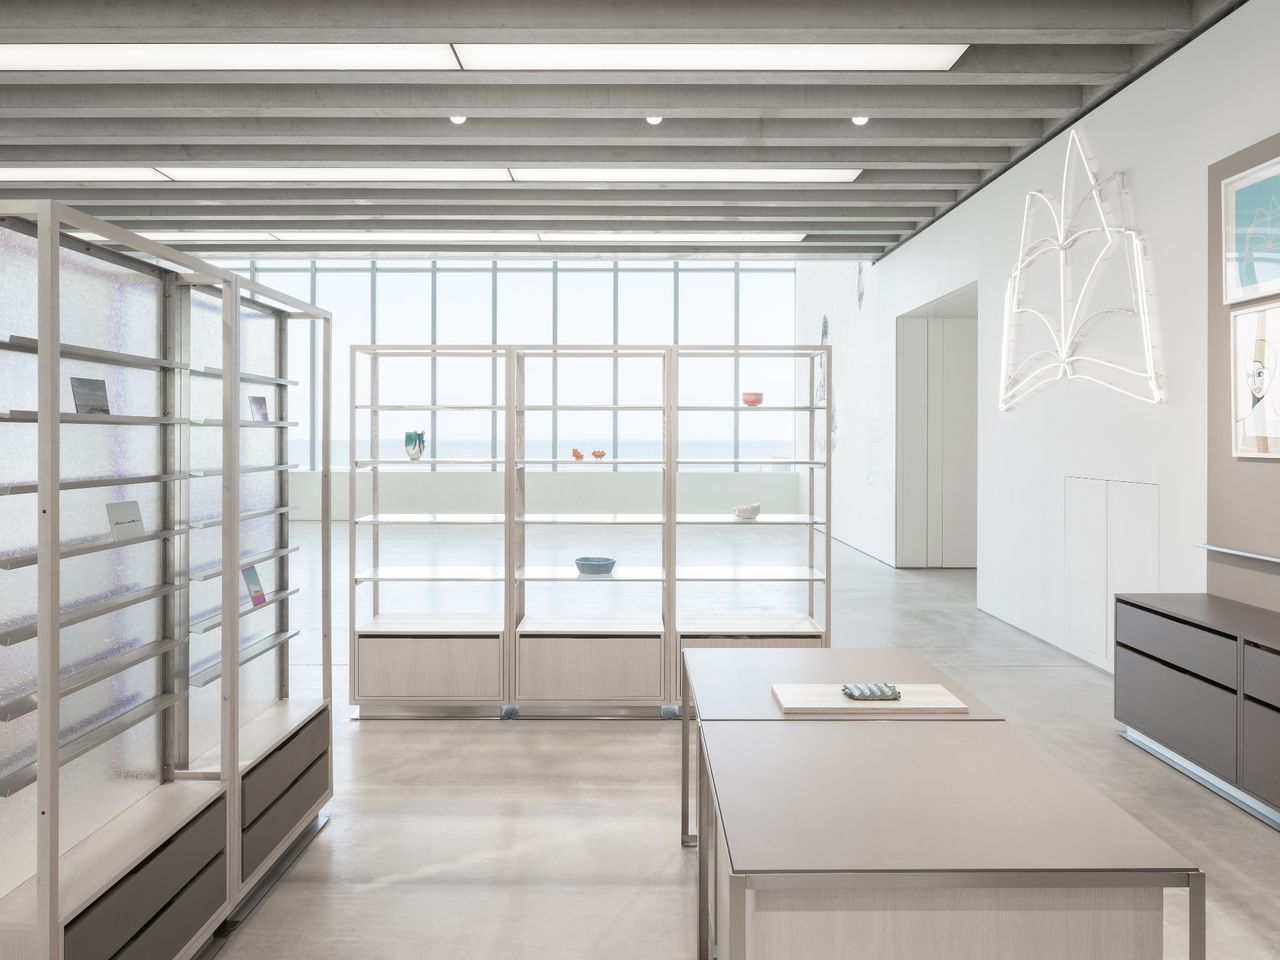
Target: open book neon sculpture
x=1098 y=329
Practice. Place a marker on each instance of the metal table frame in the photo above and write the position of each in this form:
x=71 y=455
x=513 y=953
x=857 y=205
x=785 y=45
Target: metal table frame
x=740 y=883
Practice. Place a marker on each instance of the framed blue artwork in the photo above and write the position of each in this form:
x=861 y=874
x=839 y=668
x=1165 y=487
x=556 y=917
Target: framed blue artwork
x=1251 y=233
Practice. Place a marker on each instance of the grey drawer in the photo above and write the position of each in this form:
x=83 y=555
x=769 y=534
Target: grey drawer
x=264 y=835
x=273 y=774
x=114 y=918
x=1187 y=715
x=1260 y=773
x=181 y=920
x=1262 y=674
x=1210 y=655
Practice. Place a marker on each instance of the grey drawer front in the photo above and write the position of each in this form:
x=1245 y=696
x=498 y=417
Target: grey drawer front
x=265 y=834
x=182 y=919
x=1262 y=674
x=1261 y=762
x=114 y=918
x=274 y=772
x=1208 y=654
x=1187 y=715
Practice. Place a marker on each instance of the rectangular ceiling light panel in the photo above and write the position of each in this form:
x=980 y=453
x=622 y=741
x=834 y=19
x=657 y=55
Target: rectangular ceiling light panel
x=403 y=236
x=226 y=56
x=708 y=237
x=77 y=174
x=680 y=175
x=336 y=174
x=709 y=56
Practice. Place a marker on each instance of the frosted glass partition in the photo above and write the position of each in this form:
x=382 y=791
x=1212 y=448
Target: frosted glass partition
x=129 y=394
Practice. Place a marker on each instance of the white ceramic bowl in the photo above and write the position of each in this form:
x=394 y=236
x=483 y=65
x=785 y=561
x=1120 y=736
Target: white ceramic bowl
x=748 y=511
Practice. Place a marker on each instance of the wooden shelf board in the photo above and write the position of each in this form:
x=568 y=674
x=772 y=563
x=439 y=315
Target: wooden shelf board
x=559 y=626
x=748 y=625
x=262 y=734
x=432 y=625
x=89 y=868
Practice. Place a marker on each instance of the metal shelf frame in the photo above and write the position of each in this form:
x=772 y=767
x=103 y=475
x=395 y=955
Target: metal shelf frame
x=51 y=225
x=810 y=459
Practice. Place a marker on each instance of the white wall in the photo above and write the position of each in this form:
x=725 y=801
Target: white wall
x=1205 y=102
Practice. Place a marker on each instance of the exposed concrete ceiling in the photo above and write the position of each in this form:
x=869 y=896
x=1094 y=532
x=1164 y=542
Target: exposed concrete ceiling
x=933 y=137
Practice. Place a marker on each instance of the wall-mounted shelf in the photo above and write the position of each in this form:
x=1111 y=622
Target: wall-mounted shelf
x=1239 y=553
x=84 y=548
x=70 y=351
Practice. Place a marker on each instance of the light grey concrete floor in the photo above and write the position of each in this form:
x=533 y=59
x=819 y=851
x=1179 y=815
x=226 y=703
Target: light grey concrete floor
x=488 y=840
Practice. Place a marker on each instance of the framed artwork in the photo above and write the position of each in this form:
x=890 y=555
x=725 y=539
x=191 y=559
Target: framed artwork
x=1255 y=394
x=1251 y=233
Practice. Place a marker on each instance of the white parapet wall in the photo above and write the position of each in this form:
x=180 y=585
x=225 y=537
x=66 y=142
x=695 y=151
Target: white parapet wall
x=569 y=491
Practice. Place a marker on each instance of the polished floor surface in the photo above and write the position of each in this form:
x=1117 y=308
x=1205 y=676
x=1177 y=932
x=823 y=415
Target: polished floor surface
x=489 y=840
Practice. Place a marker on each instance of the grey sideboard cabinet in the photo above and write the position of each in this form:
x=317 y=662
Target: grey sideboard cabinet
x=1200 y=675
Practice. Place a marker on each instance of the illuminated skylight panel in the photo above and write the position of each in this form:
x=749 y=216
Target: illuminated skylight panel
x=335 y=174
x=226 y=56
x=78 y=174
x=709 y=237
x=681 y=175
x=709 y=56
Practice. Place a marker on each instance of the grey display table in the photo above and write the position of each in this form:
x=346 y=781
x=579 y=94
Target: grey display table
x=928 y=840
x=736 y=684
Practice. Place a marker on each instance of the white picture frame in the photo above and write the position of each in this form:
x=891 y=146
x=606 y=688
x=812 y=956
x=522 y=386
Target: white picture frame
x=1256 y=190
x=1255 y=382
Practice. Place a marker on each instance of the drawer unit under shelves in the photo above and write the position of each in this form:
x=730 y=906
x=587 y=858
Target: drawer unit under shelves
x=586 y=669
x=409 y=668
x=1260 y=752
x=1202 y=652
x=1262 y=675
x=1189 y=715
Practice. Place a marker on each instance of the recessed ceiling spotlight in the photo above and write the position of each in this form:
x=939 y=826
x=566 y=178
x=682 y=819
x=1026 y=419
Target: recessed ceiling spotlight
x=458 y=121
x=860 y=121
x=653 y=121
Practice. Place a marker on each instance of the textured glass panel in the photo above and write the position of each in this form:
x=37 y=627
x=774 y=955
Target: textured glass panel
x=94 y=789
x=91 y=450
x=257 y=342
x=258 y=447
x=259 y=491
x=259 y=687
x=258 y=536
x=20 y=444
x=108 y=306
x=18 y=284
x=206 y=330
x=205 y=726
x=205 y=495
x=130 y=391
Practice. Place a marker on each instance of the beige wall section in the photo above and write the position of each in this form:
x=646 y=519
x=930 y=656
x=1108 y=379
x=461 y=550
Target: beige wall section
x=1244 y=495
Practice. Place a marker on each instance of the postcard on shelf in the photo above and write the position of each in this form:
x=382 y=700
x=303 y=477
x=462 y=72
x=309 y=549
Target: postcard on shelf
x=126 y=520
x=252 y=581
x=90 y=395
x=258 y=408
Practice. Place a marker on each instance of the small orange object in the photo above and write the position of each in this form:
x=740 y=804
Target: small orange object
x=577 y=454
x=598 y=454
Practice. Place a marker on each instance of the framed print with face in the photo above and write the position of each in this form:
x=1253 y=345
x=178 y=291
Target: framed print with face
x=1251 y=233
x=1255 y=393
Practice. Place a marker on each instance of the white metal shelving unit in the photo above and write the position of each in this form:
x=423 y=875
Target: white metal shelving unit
x=809 y=627
x=110 y=684
x=429 y=662
x=594 y=651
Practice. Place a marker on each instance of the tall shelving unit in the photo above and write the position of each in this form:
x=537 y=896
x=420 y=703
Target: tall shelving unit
x=591 y=651
x=558 y=643
x=100 y=694
x=811 y=406
x=406 y=660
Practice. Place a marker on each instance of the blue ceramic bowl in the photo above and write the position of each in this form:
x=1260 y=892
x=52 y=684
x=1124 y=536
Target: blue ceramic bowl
x=595 y=566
